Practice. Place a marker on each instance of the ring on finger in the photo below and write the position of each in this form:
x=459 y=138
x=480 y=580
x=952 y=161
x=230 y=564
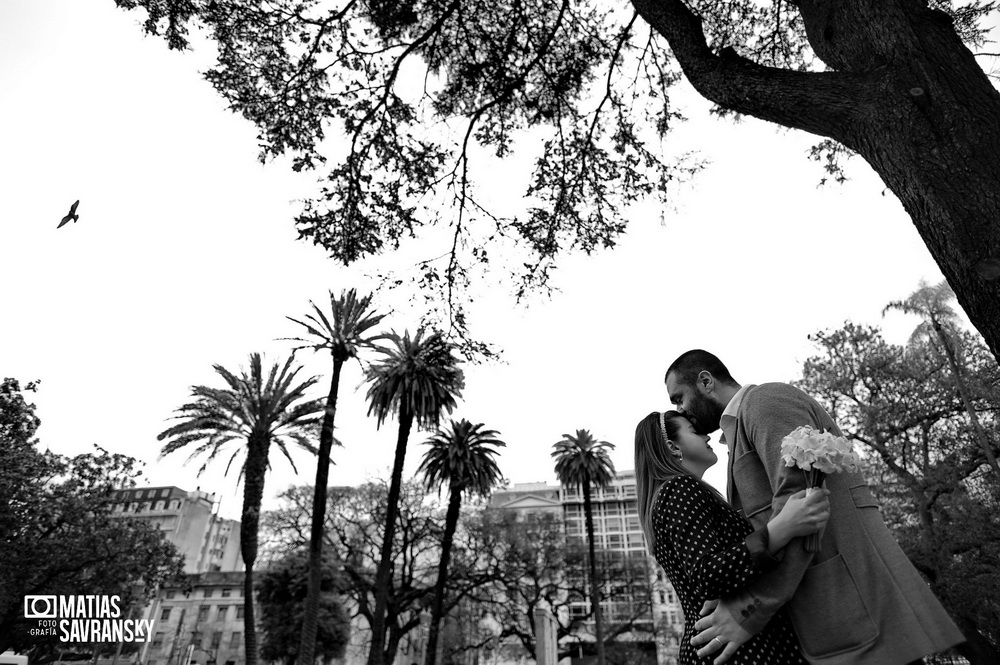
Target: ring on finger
x=722 y=645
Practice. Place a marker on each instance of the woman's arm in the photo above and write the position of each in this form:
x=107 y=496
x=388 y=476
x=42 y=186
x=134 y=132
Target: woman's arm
x=687 y=514
x=801 y=515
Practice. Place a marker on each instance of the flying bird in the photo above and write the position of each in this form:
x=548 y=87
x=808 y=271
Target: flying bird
x=72 y=216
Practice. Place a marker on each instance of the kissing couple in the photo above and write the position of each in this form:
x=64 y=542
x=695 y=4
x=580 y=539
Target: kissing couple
x=751 y=589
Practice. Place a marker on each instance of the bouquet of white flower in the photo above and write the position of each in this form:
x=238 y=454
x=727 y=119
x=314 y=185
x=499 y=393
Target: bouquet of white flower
x=818 y=453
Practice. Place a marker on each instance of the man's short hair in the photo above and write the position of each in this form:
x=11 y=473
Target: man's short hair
x=691 y=363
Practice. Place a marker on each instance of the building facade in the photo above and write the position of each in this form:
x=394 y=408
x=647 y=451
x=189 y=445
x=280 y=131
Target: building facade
x=641 y=594
x=202 y=626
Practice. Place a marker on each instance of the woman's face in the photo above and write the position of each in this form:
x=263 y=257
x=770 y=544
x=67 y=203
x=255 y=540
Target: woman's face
x=698 y=455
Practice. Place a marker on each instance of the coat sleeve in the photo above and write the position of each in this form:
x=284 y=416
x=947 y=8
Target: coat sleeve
x=769 y=413
x=688 y=514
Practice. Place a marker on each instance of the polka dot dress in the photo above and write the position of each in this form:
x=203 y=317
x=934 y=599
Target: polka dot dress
x=700 y=545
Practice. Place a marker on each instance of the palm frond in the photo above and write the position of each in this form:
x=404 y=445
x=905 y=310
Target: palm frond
x=420 y=375
x=275 y=407
x=463 y=458
x=581 y=459
x=344 y=332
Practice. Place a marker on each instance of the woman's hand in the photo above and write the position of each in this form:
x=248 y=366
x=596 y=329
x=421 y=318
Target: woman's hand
x=801 y=515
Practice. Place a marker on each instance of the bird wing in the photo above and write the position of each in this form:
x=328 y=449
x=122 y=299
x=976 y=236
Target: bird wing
x=71 y=216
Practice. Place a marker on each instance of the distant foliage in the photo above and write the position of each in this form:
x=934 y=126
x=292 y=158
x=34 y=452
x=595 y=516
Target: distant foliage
x=281 y=594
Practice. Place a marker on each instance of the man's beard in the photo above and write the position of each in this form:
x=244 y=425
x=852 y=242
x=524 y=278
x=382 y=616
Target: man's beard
x=704 y=415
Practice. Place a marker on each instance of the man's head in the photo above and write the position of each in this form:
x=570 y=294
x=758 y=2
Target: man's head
x=700 y=387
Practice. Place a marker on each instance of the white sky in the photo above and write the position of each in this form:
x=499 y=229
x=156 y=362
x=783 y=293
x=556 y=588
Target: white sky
x=185 y=255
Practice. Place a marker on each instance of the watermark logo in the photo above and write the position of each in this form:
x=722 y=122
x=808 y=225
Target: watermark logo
x=40 y=607
x=82 y=619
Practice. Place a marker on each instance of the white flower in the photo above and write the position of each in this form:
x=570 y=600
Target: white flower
x=808 y=449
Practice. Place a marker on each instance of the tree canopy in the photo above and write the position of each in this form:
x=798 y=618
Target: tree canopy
x=424 y=94
x=281 y=594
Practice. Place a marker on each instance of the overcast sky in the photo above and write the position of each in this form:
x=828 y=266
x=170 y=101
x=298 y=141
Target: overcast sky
x=185 y=256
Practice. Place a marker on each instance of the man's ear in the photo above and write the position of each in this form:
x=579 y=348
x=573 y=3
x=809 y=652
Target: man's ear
x=706 y=382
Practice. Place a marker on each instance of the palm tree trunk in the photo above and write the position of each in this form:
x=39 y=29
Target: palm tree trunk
x=595 y=586
x=253 y=494
x=977 y=426
x=376 y=655
x=310 y=619
x=437 y=609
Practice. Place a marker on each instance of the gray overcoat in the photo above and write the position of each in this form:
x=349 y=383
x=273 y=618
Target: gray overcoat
x=859 y=600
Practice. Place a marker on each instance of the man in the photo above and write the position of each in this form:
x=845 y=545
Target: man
x=858 y=600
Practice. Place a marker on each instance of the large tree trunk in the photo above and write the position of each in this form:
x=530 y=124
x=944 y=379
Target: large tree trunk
x=310 y=619
x=253 y=494
x=437 y=609
x=906 y=95
x=376 y=655
x=595 y=584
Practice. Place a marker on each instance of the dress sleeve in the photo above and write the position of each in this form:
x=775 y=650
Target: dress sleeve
x=715 y=564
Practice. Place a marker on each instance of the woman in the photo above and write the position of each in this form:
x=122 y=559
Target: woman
x=706 y=548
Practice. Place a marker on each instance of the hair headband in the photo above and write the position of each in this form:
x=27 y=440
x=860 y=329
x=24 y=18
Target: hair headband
x=671 y=446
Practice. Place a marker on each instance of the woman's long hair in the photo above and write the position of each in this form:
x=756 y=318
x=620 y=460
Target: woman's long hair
x=655 y=464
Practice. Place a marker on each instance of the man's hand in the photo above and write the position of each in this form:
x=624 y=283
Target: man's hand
x=718 y=633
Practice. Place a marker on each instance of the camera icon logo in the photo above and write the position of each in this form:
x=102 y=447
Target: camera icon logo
x=40 y=607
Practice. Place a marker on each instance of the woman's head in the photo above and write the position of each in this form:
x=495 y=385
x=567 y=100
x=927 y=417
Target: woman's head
x=666 y=446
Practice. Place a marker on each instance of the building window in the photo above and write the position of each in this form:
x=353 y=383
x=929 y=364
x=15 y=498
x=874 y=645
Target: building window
x=223 y=610
x=239 y=612
x=208 y=593
x=203 y=613
x=157 y=640
x=226 y=592
x=165 y=614
x=171 y=594
x=216 y=639
x=236 y=640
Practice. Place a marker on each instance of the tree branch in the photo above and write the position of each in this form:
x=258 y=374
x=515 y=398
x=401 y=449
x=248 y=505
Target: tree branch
x=823 y=103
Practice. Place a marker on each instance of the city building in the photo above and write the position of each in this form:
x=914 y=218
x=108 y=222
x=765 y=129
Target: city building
x=204 y=625
x=190 y=521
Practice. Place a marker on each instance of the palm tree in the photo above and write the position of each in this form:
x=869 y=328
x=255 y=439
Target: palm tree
x=462 y=459
x=582 y=461
x=940 y=322
x=251 y=413
x=418 y=380
x=341 y=334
